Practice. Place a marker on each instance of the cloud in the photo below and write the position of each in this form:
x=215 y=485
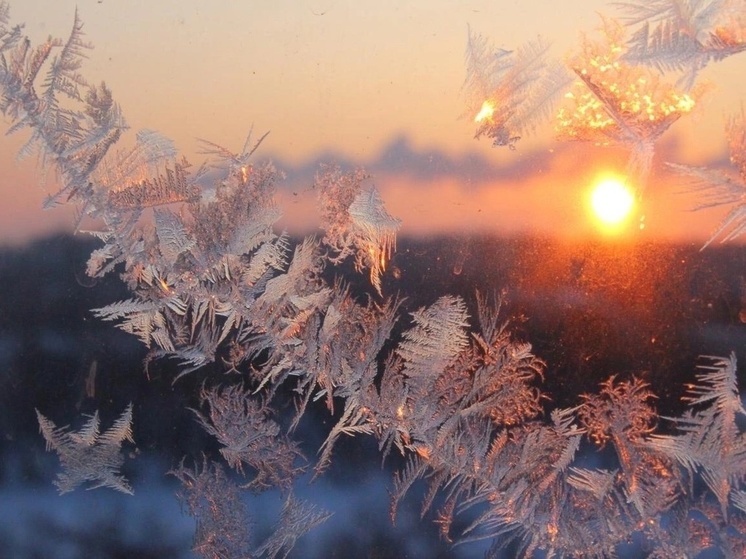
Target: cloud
x=400 y=158
x=533 y=191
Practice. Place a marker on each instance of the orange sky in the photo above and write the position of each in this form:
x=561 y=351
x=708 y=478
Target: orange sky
x=351 y=77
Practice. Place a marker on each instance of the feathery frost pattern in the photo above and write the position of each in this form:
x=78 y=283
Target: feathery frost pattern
x=87 y=455
x=723 y=188
x=684 y=35
x=619 y=104
x=250 y=437
x=355 y=221
x=710 y=441
x=224 y=521
x=509 y=93
x=457 y=396
x=622 y=94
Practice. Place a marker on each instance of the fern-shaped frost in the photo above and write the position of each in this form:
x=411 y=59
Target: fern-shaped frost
x=617 y=103
x=87 y=455
x=684 y=35
x=723 y=187
x=355 y=221
x=249 y=437
x=223 y=520
x=297 y=518
x=510 y=93
x=438 y=336
x=710 y=441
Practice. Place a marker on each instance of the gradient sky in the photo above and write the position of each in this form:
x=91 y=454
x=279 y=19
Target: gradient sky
x=353 y=78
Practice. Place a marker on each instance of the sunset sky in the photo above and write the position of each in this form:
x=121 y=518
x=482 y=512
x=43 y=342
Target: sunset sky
x=371 y=83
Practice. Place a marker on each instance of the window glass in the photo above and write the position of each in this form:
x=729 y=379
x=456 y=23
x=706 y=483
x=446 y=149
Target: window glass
x=325 y=278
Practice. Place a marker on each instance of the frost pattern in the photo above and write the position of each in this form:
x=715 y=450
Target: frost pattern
x=684 y=35
x=249 y=437
x=224 y=521
x=509 y=93
x=455 y=395
x=87 y=455
x=710 y=441
x=355 y=221
x=622 y=94
x=616 y=103
x=723 y=188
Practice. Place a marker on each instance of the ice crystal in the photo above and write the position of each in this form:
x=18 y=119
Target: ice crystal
x=723 y=187
x=615 y=102
x=224 y=522
x=684 y=35
x=241 y=424
x=355 y=221
x=87 y=455
x=509 y=93
x=457 y=397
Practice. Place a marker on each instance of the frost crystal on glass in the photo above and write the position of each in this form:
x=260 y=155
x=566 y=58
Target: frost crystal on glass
x=87 y=455
x=454 y=392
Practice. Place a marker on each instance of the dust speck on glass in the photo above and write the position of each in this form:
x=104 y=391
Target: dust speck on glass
x=525 y=395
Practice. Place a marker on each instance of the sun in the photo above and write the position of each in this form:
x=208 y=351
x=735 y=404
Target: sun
x=612 y=202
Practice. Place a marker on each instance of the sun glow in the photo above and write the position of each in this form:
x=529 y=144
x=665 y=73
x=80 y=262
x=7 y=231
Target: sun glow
x=612 y=202
x=486 y=112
